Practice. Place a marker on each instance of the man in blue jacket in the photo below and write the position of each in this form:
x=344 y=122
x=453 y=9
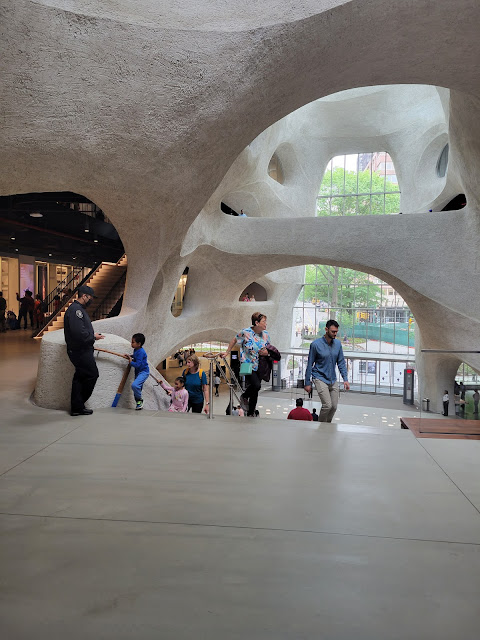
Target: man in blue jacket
x=325 y=353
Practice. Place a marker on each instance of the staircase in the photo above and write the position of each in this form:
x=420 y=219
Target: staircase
x=108 y=282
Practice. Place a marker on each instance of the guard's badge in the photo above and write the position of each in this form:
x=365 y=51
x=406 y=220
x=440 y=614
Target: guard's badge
x=79 y=313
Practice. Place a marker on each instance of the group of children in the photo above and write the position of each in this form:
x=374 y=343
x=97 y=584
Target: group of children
x=139 y=361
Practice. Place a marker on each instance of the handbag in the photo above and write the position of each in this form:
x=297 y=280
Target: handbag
x=246 y=368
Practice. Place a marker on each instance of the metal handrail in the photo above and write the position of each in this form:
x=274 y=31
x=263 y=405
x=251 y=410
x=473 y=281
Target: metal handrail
x=61 y=285
x=106 y=297
x=449 y=351
x=54 y=315
x=233 y=387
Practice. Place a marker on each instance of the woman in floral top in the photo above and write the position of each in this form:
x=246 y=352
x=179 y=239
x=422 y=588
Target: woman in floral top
x=252 y=341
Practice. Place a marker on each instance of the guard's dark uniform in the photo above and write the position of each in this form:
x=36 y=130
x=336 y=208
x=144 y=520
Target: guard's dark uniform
x=80 y=337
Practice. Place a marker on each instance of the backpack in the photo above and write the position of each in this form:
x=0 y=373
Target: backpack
x=200 y=373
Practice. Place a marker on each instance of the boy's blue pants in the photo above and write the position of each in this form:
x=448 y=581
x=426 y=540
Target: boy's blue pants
x=137 y=384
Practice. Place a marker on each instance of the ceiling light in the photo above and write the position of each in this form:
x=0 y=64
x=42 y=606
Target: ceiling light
x=87 y=230
x=95 y=240
x=16 y=249
x=74 y=258
x=50 y=255
x=36 y=214
x=12 y=238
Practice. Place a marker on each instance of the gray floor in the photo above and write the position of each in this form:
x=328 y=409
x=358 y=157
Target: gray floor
x=141 y=525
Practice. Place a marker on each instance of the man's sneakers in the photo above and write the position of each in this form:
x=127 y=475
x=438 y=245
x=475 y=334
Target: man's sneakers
x=84 y=412
x=139 y=405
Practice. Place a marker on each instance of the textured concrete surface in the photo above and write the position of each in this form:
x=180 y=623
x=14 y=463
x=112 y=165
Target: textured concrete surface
x=55 y=373
x=158 y=525
x=157 y=112
x=183 y=527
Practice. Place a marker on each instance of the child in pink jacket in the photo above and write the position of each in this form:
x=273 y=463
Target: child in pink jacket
x=179 y=394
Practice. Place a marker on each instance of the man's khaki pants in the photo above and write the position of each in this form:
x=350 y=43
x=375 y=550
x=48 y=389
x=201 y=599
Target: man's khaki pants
x=328 y=394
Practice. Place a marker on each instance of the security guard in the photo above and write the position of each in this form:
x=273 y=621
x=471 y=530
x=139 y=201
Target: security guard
x=80 y=337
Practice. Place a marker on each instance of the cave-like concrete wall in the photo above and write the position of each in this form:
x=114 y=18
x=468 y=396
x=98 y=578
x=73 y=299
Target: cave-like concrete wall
x=158 y=112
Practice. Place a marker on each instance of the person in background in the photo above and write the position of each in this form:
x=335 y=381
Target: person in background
x=445 y=402
x=38 y=312
x=196 y=384
x=476 y=399
x=241 y=214
x=66 y=295
x=217 y=385
x=235 y=411
x=300 y=413
x=3 y=309
x=314 y=415
x=252 y=298
x=241 y=412
x=57 y=303
x=26 y=307
x=139 y=362
x=463 y=390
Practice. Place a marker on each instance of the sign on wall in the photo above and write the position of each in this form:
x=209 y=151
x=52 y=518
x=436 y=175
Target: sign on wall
x=26 y=278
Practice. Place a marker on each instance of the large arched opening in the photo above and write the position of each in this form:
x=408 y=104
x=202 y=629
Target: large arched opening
x=50 y=243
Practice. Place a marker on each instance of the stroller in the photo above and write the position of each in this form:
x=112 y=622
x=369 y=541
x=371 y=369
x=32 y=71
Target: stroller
x=12 y=321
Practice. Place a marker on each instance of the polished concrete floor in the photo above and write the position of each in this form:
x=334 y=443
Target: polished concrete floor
x=154 y=526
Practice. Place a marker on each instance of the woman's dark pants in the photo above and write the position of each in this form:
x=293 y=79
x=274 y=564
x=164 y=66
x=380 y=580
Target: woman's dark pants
x=251 y=392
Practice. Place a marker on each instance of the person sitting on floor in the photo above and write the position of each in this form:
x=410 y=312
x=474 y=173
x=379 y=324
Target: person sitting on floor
x=299 y=413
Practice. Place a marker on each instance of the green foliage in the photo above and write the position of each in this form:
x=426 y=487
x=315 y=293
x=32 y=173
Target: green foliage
x=344 y=183
x=346 y=288
x=339 y=287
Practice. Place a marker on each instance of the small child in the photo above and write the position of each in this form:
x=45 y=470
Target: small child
x=179 y=394
x=139 y=362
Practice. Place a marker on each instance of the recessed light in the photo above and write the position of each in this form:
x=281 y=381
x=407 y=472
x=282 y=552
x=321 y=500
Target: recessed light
x=12 y=238
x=16 y=249
x=87 y=230
x=74 y=258
x=95 y=240
x=50 y=255
x=36 y=214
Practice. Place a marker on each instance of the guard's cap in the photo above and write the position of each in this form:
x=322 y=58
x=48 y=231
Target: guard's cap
x=86 y=289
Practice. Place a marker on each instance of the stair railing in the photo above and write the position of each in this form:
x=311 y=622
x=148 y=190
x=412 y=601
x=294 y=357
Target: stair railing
x=64 y=284
x=50 y=318
x=234 y=385
x=104 y=306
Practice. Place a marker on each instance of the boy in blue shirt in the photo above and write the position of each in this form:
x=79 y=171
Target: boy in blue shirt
x=139 y=362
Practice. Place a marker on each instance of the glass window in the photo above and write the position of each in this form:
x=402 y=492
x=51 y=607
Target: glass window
x=372 y=316
x=359 y=184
